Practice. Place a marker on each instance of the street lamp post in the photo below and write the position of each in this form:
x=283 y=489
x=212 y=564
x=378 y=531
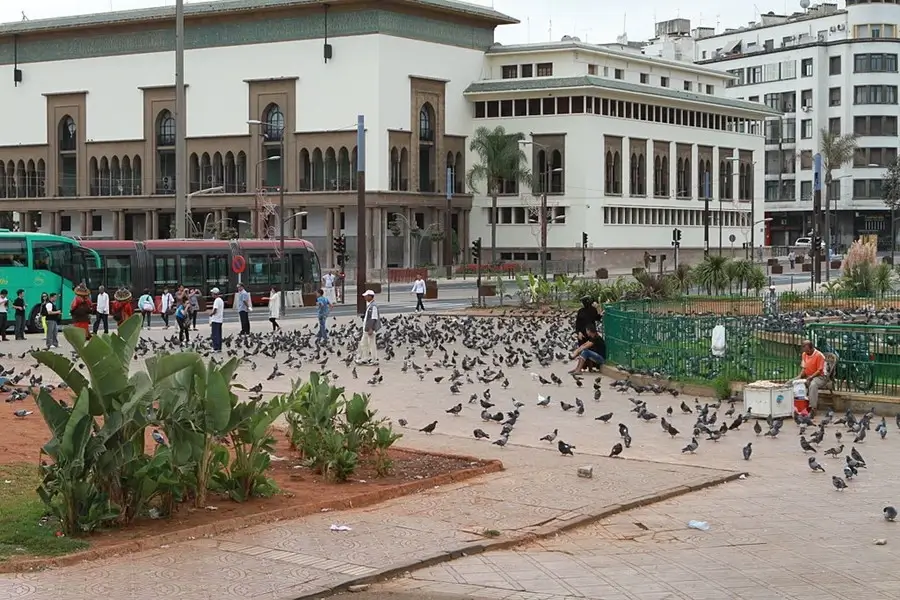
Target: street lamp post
x=281 y=132
x=181 y=211
x=545 y=184
x=189 y=210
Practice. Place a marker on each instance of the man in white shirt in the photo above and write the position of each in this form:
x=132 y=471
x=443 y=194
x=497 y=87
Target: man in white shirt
x=418 y=289
x=328 y=280
x=216 y=319
x=4 y=313
x=102 y=309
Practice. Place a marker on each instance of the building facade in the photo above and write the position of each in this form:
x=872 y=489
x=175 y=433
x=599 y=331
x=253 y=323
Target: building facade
x=626 y=146
x=88 y=145
x=824 y=68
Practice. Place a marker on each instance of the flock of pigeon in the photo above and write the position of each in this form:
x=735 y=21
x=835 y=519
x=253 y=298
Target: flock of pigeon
x=466 y=353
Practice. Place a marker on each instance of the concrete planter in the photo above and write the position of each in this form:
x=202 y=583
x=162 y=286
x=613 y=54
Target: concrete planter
x=431 y=289
x=487 y=290
x=800 y=259
x=772 y=262
x=309 y=299
x=777 y=269
x=835 y=264
x=602 y=273
x=806 y=267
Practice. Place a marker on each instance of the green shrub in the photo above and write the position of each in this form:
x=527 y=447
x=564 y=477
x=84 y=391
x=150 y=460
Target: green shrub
x=722 y=387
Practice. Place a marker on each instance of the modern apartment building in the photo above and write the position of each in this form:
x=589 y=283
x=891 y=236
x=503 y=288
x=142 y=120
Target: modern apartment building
x=825 y=67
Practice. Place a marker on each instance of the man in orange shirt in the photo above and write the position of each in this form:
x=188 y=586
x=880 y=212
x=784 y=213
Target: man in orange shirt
x=812 y=369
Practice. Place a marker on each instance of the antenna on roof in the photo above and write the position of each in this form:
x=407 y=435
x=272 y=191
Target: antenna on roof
x=24 y=16
x=550 y=30
x=528 y=26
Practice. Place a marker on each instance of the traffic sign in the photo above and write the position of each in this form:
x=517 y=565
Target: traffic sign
x=238 y=264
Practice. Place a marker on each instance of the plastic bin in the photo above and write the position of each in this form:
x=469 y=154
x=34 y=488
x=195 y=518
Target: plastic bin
x=765 y=398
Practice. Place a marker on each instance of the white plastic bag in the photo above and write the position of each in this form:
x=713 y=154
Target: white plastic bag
x=718 y=343
x=800 y=389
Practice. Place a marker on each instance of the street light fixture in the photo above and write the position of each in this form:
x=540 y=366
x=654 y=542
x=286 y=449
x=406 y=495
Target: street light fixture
x=189 y=211
x=545 y=184
x=281 y=132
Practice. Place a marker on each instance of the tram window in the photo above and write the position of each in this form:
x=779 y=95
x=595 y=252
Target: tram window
x=314 y=271
x=163 y=272
x=191 y=271
x=216 y=272
x=263 y=269
x=118 y=272
x=298 y=262
x=13 y=253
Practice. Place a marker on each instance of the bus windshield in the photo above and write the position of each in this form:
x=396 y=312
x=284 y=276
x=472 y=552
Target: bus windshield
x=72 y=263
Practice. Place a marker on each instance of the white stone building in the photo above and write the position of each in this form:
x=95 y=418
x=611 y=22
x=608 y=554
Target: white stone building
x=825 y=67
x=87 y=147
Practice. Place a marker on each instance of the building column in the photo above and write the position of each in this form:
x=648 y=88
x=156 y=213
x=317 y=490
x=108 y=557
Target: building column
x=148 y=224
x=695 y=172
x=56 y=222
x=408 y=241
x=435 y=246
x=87 y=218
x=378 y=235
x=116 y=218
x=154 y=219
x=329 y=237
x=464 y=237
x=626 y=167
x=298 y=223
x=25 y=221
x=370 y=234
x=650 y=168
x=673 y=170
x=714 y=176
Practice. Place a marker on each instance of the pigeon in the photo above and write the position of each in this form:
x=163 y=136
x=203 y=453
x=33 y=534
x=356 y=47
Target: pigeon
x=564 y=448
x=550 y=436
x=838 y=483
x=605 y=418
x=687 y=409
x=455 y=410
x=814 y=464
x=857 y=457
x=402 y=422
x=580 y=407
x=747 y=450
x=429 y=428
x=543 y=401
x=757 y=428
x=616 y=450
x=806 y=446
x=692 y=447
x=480 y=435
x=834 y=451
x=22 y=413
x=566 y=406
x=890 y=513
x=501 y=441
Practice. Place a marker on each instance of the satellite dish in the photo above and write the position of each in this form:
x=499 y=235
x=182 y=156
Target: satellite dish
x=804 y=4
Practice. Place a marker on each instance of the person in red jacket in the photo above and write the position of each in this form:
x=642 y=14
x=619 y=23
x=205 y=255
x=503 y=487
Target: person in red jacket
x=81 y=309
x=122 y=308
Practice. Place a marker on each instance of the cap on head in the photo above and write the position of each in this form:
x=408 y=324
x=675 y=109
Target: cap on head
x=368 y=293
x=214 y=291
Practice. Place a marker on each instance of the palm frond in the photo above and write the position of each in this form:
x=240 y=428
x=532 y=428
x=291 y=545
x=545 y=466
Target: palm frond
x=500 y=158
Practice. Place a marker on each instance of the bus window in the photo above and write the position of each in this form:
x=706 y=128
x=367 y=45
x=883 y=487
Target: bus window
x=163 y=272
x=263 y=269
x=56 y=257
x=191 y=271
x=13 y=252
x=216 y=272
x=118 y=272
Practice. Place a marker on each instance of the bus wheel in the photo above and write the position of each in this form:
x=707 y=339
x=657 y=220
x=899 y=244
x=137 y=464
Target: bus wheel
x=34 y=324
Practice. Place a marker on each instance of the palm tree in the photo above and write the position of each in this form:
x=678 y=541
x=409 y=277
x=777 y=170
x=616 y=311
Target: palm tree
x=501 y=159
x=836 y=150
x=712 y=274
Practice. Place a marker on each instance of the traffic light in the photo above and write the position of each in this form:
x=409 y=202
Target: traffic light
x=340 y=249
x=584 y=238
x=476 y=250
x=677 y=235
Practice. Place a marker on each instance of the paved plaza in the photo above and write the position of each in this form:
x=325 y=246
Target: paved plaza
x=782 y=532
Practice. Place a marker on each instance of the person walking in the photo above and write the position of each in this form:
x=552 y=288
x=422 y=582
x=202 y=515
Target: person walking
x=81 y=309
x=328 y=280
x=368 y=349
x=243 y=308
x=194 y=299
x=182 y=320
x=146 y=304
x=102 y=310
x=792 y=258
x=274 y=309
x=323 y=307
x=54 y=315
x=19 y=308
x=166 y=306
x=121 y=306
x=216 y=319
x=45 y=298
x=418 y=288
x=4 y=314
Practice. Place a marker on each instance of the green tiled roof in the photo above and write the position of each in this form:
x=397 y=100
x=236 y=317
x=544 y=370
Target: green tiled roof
x=229 y=6
x=551 y=83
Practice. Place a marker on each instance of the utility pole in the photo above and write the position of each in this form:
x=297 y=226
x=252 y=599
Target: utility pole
x=544 y=226
x=181 y=215
x=815 y=245
x=281 y=217
x=448 y=231
x=361 y=213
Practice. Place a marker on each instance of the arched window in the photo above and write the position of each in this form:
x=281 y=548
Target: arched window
x=687 y=177
x=542 y=174
x=426 y=123
x=657 y=176
x=556 y=173
x=664 y=182
x=305 y=171
x=633 y=189
x=67 y=137
x=165 y=129
x=608 y=180
x=395 y=169
x=617 y=173
x=642 y=175
x=679 y=178
x=273 y=123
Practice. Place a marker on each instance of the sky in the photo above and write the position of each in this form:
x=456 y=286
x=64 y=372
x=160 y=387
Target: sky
x=591 y=20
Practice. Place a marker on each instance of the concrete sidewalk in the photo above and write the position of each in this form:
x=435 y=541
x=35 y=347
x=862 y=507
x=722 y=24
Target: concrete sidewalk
x=538 y=494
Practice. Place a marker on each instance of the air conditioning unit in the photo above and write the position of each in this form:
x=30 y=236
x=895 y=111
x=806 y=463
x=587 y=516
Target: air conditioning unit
x=209 y=179
x=806 y=108
x=832 y=29
x=167 y=182
x=841 y=27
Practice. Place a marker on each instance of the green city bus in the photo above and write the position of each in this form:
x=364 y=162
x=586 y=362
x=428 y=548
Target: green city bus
x=41 y=262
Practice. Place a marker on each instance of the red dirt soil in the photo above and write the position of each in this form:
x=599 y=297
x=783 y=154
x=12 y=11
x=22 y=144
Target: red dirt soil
x=302 y=491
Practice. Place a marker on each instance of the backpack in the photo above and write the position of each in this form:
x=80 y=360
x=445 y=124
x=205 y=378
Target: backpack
x=44 y=309
x=179 y=312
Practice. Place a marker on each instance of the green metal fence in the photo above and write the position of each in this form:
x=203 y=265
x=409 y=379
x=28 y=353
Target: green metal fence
x=672 y=339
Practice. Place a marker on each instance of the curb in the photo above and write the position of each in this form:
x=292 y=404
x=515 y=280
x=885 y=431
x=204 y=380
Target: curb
x=550 y=529
x=360 y=500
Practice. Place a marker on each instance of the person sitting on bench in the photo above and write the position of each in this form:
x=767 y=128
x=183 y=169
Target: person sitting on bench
x=812 y=369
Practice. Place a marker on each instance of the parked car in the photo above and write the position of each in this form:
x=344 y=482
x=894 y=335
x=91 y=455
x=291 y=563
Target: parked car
x=806 y=242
